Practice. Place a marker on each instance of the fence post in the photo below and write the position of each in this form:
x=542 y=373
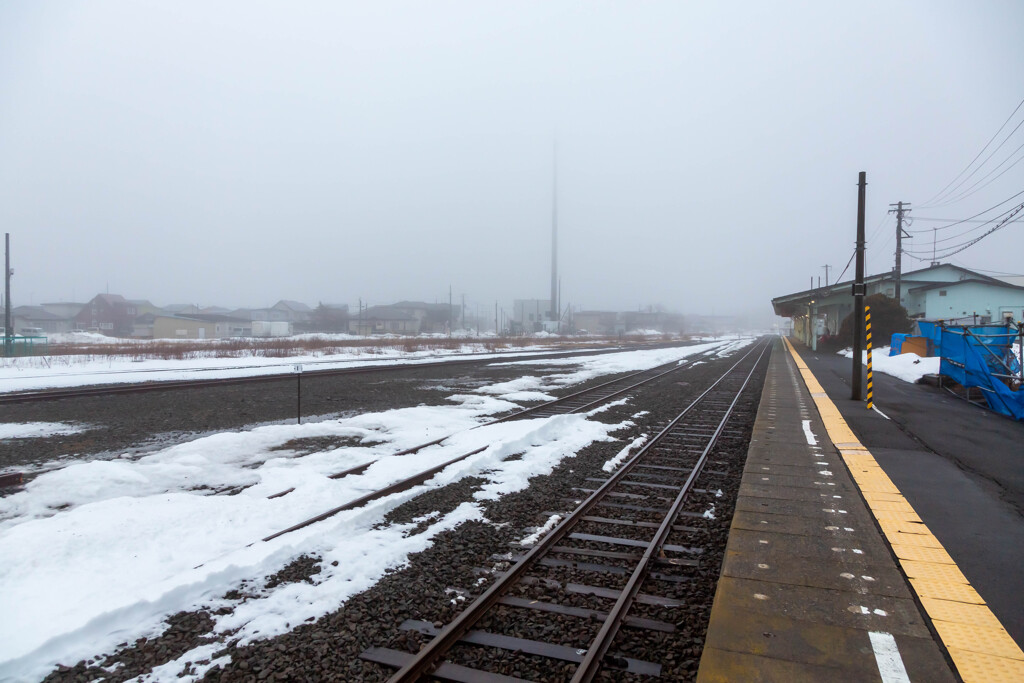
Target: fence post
x=867 y=327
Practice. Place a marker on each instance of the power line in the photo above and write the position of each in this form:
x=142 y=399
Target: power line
x=957 y=248
x=1008 y=119
x=971 y=190
x=968 y=231
x=947 y=220
x=991 y=272
x=878 y=228
x=980 y=213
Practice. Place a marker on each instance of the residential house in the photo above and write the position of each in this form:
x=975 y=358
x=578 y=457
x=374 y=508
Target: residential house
x=200 y=326
x=65 y=310
x=36 y=320
x=109 y=314
x=384 y=320
x=297 y=313
x=939 y=292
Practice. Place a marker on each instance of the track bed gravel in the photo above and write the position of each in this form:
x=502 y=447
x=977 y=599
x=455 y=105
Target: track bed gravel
x=140 y=423
x=440 y=581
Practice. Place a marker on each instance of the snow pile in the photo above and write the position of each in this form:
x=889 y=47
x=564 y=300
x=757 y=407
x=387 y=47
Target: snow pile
x=29 y=430
x=908 y=367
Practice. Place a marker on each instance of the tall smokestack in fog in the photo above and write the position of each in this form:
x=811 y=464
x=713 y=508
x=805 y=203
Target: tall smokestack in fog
x=554 y=238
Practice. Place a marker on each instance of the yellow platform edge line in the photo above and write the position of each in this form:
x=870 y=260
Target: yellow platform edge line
x=878 y=490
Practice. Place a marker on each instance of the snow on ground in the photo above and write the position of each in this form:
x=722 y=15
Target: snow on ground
x=908 y=367
x=621 y=456
x=101 y=552
x=595 y=366
x=28 y=430
x=51 y=372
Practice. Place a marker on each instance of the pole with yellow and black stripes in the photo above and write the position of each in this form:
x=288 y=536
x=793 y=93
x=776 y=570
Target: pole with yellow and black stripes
x=867 y=329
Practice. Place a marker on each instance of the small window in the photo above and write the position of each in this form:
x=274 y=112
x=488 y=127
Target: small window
x=942 y=292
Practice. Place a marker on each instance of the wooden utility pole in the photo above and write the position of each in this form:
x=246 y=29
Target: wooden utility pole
x=901 y=208
x=858 y=290
x=8 y=331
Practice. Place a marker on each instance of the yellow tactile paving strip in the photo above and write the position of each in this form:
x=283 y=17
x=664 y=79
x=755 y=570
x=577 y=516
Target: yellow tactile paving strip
x=980 y=647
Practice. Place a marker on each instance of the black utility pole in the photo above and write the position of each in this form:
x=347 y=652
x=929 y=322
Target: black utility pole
x=858 y=289
x=900 y=234
x=7 y=295
x=826 y=267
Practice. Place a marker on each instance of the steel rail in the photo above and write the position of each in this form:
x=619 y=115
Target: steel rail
x=428 y=657
x=423 y=476
x=592 y=661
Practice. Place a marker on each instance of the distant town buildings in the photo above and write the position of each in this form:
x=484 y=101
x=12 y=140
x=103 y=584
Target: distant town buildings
x=116 y=316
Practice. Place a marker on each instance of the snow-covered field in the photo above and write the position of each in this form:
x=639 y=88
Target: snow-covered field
x=100 y=552
x=50 y=372
x=908 y=367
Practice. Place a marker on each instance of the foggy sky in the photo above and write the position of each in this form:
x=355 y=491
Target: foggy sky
x=236 y=153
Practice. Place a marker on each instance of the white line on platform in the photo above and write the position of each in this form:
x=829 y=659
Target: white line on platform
x=887 y=655
x=809 y=434
x=875 y=408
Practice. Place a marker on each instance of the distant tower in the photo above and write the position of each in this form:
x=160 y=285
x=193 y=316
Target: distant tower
x=554 y=239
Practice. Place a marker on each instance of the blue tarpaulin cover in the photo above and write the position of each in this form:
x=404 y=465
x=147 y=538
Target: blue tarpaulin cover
x=972 y=358
x=934 y=333
x=896 y=345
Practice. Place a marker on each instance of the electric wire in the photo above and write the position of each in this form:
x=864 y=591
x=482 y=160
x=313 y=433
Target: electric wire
x=957 y=248
x=980 y=213
x=982 y=270
x=1008 y=119
x=971 y=190
x=969 y=230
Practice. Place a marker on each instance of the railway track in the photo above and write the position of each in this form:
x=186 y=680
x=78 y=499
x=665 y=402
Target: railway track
x=171 y=385
x=621 y=558
x=576 y=402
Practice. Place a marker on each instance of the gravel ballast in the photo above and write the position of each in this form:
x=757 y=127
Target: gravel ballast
x=440 y=581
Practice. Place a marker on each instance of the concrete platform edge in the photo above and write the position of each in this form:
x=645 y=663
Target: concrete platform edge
x=979 y=646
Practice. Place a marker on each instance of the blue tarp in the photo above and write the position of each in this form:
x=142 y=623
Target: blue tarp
x=934 y=334
x=896 y=345
x=971 y=358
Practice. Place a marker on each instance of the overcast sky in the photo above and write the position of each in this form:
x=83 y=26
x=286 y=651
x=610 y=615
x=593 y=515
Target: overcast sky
x=236 y=153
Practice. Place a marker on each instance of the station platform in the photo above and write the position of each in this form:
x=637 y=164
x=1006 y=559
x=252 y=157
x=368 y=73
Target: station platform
x=830 y=573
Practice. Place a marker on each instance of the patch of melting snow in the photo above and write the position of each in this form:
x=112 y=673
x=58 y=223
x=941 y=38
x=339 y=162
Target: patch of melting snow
x=539 y=533
x=39 y=430
x=623 y=455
